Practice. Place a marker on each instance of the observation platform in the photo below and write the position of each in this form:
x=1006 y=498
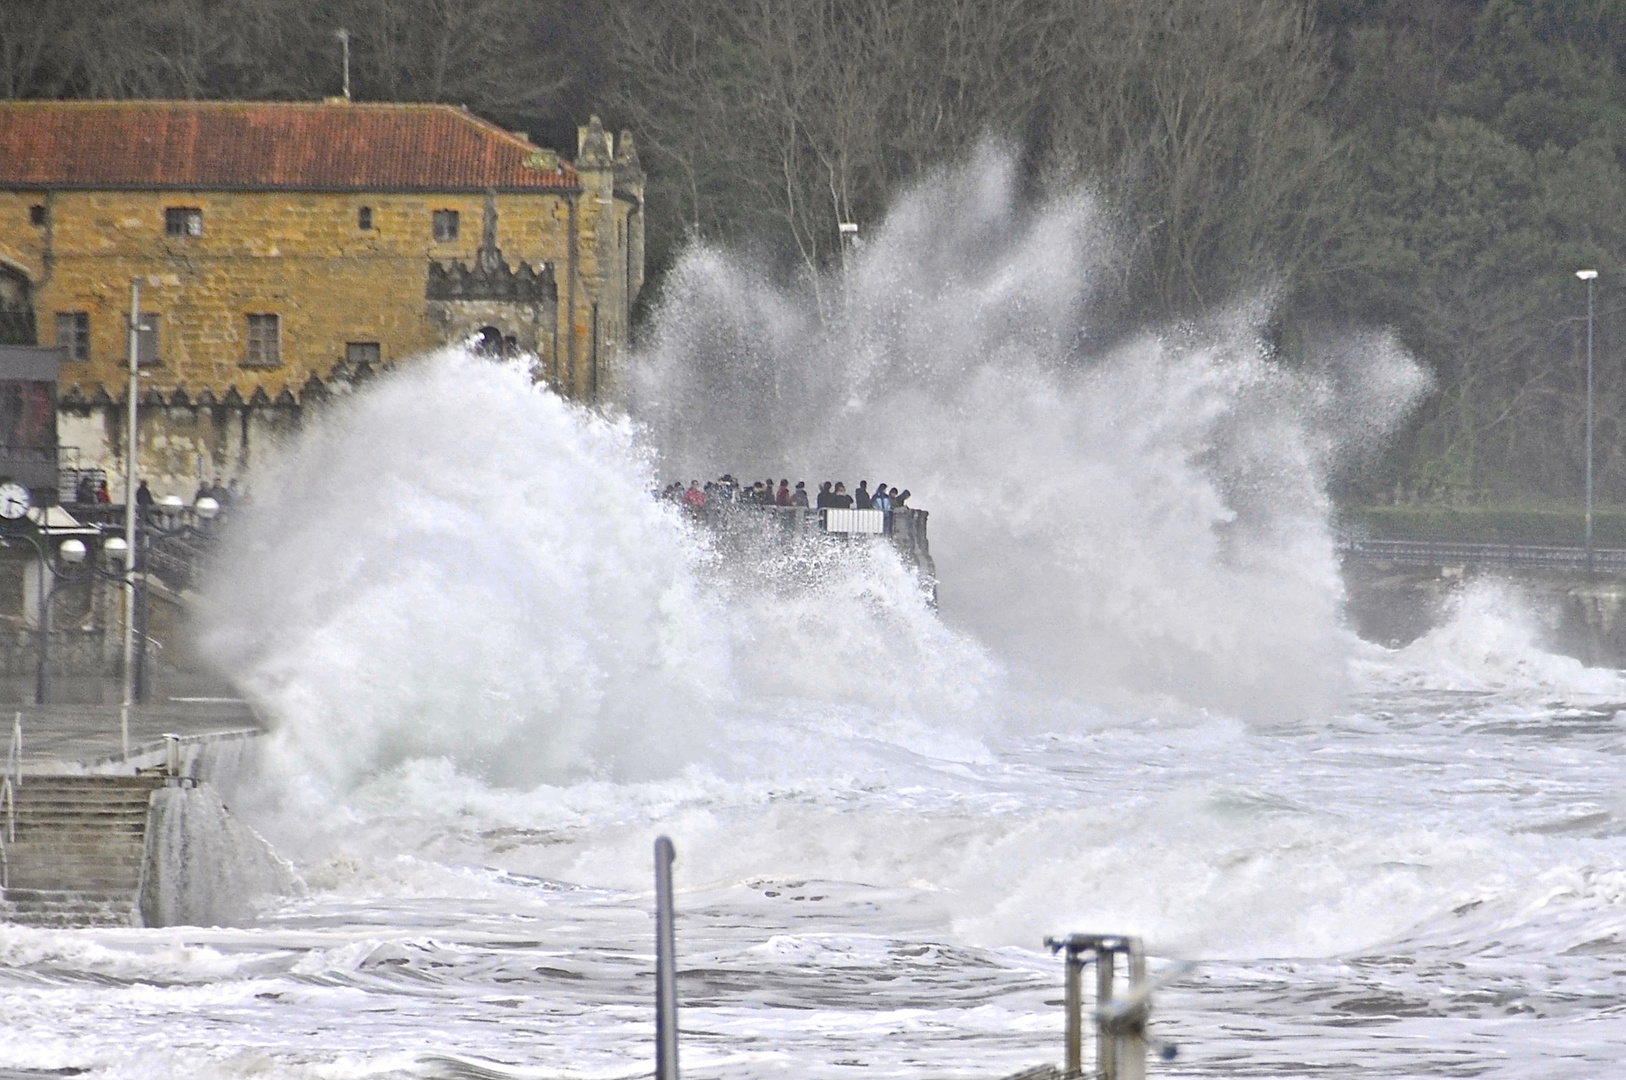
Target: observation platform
x=904 y=529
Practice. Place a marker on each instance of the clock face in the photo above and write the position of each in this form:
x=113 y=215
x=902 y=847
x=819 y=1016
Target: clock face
x=14 y=500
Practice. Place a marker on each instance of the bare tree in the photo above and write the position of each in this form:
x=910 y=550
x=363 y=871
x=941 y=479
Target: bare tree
x=1200 y=117
x=785 y=118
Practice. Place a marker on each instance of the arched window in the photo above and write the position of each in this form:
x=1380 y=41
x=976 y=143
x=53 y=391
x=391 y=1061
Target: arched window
x=489 y=342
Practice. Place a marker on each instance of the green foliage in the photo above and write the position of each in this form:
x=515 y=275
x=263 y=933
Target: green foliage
x=1481 y=525
x=1491 y=170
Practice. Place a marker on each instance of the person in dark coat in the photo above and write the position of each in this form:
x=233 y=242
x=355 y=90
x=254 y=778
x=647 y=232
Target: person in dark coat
x=826 y=497
x=799 y=496
x=840 y=499
x=861 y=496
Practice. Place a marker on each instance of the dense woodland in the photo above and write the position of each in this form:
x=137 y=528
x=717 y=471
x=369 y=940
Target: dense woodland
x=1439 y=167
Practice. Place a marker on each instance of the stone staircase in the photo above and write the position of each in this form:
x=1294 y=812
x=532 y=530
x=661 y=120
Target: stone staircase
x=77 y=856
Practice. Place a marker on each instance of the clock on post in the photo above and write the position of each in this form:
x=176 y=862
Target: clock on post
x=14 y=502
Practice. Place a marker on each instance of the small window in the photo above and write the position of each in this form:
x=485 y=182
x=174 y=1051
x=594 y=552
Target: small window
x=362 y=352
x=36 y=216
x=364 y=218
x=264 y=342
x=148 y=340
x=183 y=221
x=73 y=333
x=445 y=225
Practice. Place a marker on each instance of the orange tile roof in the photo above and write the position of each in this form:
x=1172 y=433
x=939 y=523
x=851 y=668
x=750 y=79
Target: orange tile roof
x=214 y=145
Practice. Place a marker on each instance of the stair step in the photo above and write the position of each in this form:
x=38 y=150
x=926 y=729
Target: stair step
x=80 y=825
x=16 y=895
x=68 y=908
x=77 y=856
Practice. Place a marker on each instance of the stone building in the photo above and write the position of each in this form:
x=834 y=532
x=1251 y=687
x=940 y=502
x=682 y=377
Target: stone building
x=288 y=250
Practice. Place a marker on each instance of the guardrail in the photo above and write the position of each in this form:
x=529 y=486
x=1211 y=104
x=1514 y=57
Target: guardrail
x=1442 y=553
x=8 y=794
x=904 y=527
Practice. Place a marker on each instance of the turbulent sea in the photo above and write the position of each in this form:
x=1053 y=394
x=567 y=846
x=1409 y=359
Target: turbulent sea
x=496 y=669
x=1429 y=882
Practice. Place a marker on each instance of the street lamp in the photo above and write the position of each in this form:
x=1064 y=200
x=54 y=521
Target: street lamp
x=1588 y=276
x=70 y=567
x=848 y=232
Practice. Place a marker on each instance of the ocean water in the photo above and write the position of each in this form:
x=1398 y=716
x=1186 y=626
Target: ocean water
x=497 y=669
x=1429 y=882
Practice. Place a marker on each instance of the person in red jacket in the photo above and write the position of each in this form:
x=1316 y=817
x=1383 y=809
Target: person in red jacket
x=693 y=497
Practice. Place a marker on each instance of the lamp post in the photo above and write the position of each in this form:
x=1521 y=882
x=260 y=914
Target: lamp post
x=848 y=232
x=167 y=519
x=127 y=698
x=1588 y=276
x=68 y=568
x=72 y=566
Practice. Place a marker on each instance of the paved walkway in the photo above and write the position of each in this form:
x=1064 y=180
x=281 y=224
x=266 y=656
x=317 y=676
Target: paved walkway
x=54 y=735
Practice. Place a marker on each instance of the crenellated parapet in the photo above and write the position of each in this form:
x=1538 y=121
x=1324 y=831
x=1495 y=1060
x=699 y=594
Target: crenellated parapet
x=503 y=309
x=521 y=284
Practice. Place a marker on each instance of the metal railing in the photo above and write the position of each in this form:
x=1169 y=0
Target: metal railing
x=1445 y=553
x=9 y=784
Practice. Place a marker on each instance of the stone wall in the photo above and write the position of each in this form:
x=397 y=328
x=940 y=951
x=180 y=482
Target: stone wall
x=302 y=256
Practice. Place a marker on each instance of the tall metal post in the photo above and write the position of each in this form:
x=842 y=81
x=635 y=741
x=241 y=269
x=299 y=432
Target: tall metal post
x=666 y=1032
x=1589 y=282
x=1131 y=1062
x=42 y=674
x=128 y=696
x=1075 y=1012
x=1106 y=1059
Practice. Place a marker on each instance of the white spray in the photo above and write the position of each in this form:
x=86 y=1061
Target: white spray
x=1150 y=521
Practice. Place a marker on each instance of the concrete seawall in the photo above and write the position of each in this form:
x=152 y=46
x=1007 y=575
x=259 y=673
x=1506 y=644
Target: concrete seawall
x=1580 y=615
x=92 y=835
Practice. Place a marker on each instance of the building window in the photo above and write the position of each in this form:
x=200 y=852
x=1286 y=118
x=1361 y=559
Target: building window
x=445 y=225
x=264 y=342
x=36 y=216
x=183 y=221
x=73 y=333
x=362 y=352
x=147 y=340
x=364 y=218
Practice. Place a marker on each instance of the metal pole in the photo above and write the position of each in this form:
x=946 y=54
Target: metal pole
x=42 y=624
x=344 y=37
x=1106 y=1057
x=1075 y=1012
x=1132 y=1047
x=1589 y=425
x=666 y=1032
x=130 y=518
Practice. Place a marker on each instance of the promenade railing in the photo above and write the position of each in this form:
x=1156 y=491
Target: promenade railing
x=1448 y=553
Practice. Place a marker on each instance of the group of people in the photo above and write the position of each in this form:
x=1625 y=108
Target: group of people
x=862 y=498
x=223 y=494
x=727 y=491
x=92 y=490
